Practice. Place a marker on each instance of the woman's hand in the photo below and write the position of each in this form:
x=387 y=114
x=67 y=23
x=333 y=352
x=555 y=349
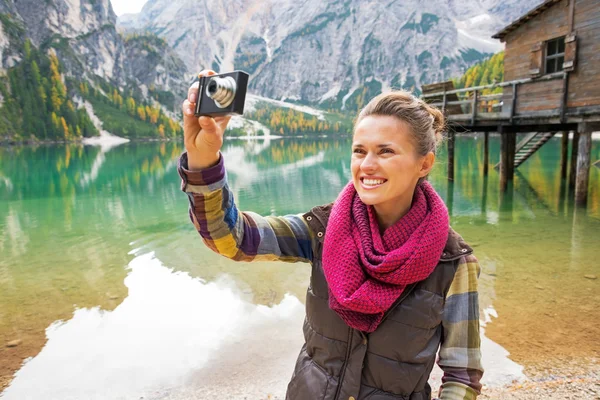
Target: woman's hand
x=203 y=137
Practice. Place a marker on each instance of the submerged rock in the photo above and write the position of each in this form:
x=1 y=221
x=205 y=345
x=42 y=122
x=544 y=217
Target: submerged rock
x=14 y=343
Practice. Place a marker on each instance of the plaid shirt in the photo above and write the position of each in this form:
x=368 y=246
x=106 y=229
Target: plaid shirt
x=247 y=236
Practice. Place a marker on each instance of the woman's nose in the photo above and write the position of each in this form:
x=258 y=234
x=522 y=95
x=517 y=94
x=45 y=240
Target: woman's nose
x=369 y=163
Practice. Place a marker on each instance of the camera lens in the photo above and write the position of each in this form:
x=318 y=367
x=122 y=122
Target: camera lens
x=221 y=90
x=212 y=88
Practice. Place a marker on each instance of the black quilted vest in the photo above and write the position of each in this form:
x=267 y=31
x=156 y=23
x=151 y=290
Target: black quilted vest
x=394 y=362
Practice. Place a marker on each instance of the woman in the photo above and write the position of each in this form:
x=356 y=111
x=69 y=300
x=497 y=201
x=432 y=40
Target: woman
x=391 y=281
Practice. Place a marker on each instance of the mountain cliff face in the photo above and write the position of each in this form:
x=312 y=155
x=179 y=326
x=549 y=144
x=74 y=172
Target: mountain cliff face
x=336 y=52
x=83 y=34
x=63 y=65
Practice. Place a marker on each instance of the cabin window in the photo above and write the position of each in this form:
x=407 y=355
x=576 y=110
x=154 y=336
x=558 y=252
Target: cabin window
x=555 y=55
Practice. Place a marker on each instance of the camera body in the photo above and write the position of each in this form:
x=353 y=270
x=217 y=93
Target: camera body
x=223 y=94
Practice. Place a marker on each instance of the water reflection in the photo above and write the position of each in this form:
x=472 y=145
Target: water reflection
x=168 y=328
x=179 y=337
x=70 y=216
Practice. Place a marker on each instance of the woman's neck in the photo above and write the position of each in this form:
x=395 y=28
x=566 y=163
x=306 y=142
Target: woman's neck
x=391 y=211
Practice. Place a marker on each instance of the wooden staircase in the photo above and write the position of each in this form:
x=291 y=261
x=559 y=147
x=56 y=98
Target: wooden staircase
x=529 y=145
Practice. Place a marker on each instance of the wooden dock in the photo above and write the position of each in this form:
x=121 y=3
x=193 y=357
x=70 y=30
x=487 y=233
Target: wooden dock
x=551 y=73
x=468 y=111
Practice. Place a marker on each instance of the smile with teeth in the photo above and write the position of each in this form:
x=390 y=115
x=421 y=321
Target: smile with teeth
x=372 y=182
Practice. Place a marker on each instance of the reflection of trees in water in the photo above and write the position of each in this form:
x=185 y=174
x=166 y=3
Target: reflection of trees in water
x=65 y=243
x=289 y=175
x=67 y=170
x=65 y=240
x=537 y=182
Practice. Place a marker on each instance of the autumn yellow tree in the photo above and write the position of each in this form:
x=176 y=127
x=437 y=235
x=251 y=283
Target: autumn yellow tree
x=141 y=111
x=58 y=91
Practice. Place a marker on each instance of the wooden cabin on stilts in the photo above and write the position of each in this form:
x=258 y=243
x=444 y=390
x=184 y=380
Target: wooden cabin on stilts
x=551 y=85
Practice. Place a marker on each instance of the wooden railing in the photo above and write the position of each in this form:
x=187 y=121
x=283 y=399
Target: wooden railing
x=473 y=98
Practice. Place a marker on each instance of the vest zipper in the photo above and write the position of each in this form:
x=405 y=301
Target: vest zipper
x=343 y=372
x=407 y=291
x=404 y=295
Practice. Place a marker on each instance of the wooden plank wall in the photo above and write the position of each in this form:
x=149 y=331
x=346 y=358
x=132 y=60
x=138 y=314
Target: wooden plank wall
x=538 y=96
x=584 y=83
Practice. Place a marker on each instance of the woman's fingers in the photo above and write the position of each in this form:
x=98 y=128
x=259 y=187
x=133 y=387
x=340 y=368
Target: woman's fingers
x=193 y=93
x=207 y=130
x=190 y=122
x=207 y=72
x=187 y=108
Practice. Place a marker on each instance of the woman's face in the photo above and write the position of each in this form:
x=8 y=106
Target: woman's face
x=385 y=165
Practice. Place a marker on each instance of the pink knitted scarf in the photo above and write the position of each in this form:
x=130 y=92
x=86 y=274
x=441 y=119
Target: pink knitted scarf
x=366 y=271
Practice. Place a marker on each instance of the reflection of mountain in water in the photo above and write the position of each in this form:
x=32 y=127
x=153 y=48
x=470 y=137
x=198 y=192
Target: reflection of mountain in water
x=288 y=176
x=169 y=328
x=71 y=215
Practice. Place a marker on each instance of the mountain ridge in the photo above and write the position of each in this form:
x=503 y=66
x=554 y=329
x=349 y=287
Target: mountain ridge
x=330 y=52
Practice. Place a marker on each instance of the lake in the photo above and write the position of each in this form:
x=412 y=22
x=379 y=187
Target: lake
x=107 y=291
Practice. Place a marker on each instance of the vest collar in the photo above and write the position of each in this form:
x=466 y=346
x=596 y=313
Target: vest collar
x=318 y=217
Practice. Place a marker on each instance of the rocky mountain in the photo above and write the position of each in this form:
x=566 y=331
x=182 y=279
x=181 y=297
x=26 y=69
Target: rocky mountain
x=83 y=35
x=66 y=74
x=335 y=53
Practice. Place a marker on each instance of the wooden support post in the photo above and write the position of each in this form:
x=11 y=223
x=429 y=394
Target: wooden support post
x=583 y=168
x=505 y=203
x=564 y=154
x=573 y=167
x=562 y=194
x=565 y=97
x=486 y=153
x=513 y=108
x=484 y=196
x=474 y=107
x=451 y=136
x=508 y=142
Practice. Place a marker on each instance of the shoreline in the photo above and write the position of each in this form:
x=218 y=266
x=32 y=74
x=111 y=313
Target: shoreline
x=96 y=140
x=82 y=141
x=581 y=385
x=586 y=386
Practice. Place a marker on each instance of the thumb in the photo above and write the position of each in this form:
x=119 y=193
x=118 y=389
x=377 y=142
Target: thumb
x=208 y=125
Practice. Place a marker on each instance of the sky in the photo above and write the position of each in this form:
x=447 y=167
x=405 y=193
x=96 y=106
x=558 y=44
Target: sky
x=127 y=6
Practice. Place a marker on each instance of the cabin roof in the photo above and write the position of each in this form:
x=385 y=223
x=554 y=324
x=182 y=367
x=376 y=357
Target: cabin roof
x=523 y=19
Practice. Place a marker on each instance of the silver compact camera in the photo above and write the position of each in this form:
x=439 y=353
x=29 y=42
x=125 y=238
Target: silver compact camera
x=223 y=94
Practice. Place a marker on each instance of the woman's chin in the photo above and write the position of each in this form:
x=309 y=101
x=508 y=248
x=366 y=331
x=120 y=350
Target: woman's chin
x=369 y=199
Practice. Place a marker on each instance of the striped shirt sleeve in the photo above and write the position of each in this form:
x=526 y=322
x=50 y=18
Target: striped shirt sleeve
x=240 y=236
x=460 y=355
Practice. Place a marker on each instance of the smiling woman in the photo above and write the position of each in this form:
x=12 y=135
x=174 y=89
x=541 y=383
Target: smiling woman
x=391 y=282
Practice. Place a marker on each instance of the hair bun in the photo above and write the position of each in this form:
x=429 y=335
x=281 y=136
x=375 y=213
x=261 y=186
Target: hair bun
x=439 y=122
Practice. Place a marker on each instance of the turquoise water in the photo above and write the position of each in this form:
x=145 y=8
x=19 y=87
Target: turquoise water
x=102 y=271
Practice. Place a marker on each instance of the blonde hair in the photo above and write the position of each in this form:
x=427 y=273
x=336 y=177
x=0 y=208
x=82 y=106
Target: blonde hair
x=426 y=122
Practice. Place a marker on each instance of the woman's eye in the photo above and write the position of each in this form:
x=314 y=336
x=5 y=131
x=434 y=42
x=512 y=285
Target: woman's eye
x=357 y=151
x=387 y=151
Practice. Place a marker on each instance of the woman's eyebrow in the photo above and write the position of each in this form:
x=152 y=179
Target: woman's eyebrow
x=379 y=145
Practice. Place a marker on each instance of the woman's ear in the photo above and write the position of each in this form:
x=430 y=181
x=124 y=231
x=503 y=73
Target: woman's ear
x=427 y=163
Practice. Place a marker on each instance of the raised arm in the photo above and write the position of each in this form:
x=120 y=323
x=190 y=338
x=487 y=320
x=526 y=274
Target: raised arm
x=460 y=355
x=241 y=236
